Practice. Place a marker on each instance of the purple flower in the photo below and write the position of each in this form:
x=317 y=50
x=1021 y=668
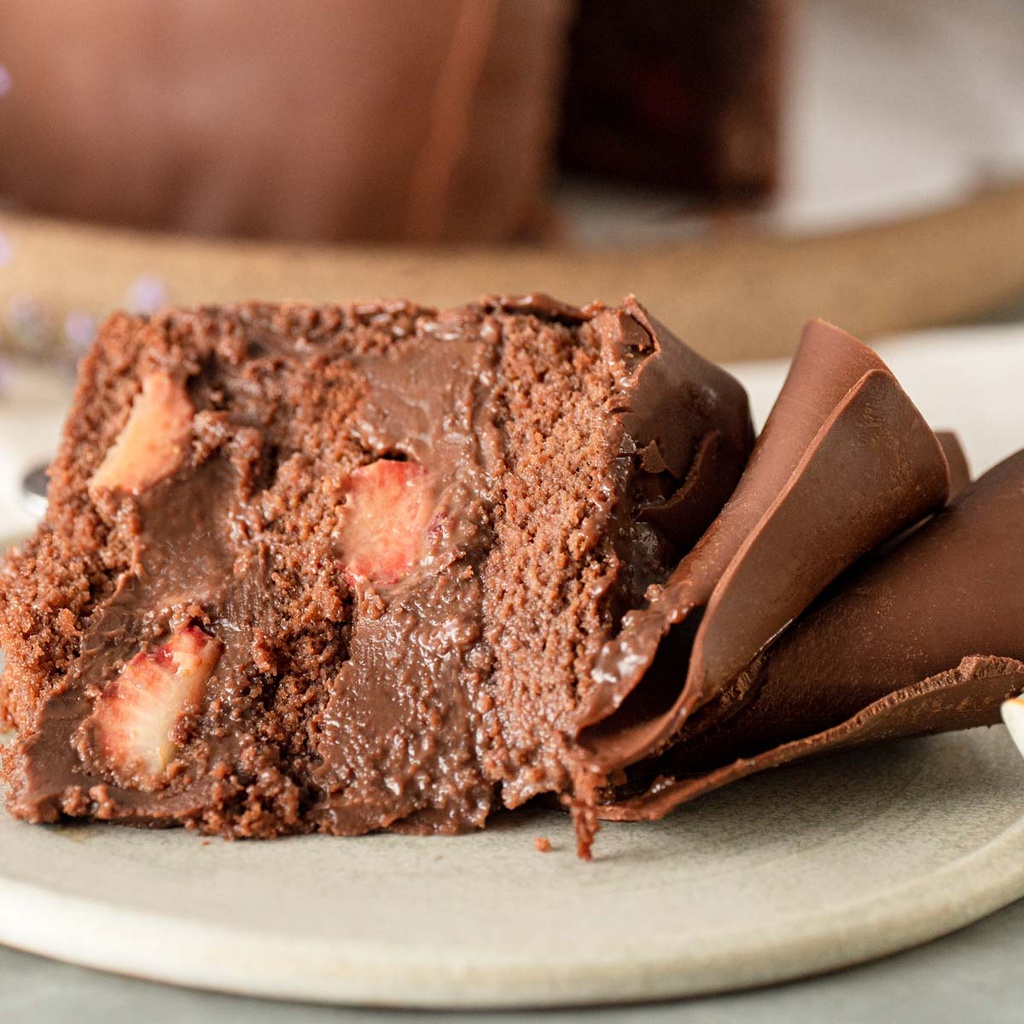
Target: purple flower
x=7 y=375
x=146 y=294
x=79 y=331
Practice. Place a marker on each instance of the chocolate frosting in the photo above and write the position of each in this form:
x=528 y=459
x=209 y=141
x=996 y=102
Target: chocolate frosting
x=924 y=639
x=845 y=461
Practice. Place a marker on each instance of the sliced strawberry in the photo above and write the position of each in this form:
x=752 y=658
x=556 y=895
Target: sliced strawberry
x=153 y=442
x=130 y=729
x=385 y=516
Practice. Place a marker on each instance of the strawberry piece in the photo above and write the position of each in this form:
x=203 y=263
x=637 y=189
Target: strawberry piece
x=152 y=444
x=130 y=729
x=384 y=519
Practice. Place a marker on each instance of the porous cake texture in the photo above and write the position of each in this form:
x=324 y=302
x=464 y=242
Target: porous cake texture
x=343 y=569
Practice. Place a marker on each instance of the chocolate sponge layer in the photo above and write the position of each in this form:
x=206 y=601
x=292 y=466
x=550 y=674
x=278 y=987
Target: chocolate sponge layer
x=344 y=569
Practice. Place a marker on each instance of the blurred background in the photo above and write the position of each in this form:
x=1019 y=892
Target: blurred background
x=363 y=130
x=741 y=165
x=499 y=121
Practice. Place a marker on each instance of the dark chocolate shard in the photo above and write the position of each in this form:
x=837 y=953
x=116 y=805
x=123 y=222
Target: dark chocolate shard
x=923 y=640
x=844 y=463
x=956 y=459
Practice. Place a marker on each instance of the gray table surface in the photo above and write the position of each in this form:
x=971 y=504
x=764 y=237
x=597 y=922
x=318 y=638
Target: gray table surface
x=973 y=975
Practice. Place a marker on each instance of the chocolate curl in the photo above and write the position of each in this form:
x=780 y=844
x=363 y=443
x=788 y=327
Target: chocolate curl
x=703 y=444
x=844 y=462
x=925 y=639
x=956 y=459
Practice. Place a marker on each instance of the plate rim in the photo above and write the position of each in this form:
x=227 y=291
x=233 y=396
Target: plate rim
x=240 y=960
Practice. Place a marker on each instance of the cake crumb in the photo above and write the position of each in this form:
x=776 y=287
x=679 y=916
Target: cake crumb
x=542 y=844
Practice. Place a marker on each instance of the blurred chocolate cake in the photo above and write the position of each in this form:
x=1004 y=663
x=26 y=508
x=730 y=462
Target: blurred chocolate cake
x=676 y=95
x=412 y=120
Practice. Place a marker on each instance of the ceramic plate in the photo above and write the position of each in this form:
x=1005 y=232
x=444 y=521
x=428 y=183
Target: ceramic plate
x=793 y=872
x=798 y=871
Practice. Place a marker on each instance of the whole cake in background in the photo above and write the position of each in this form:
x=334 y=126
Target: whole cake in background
x=411 y=120
x=344 y=569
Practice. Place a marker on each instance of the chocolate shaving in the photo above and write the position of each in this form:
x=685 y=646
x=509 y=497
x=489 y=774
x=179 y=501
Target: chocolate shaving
x=923 y=640
x=845 y=462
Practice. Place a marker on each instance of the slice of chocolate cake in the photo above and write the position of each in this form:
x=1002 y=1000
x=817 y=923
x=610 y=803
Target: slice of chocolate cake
x=348 y=569
x=383 y=567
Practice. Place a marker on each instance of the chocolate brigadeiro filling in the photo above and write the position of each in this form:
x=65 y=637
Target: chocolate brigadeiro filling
x=384 y=567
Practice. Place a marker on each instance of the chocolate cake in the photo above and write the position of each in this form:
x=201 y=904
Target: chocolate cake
x=346 y=569
x=384 y=567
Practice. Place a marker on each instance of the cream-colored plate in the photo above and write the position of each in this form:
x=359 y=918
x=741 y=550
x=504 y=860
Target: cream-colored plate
x=785 y=874
x=794 y=872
